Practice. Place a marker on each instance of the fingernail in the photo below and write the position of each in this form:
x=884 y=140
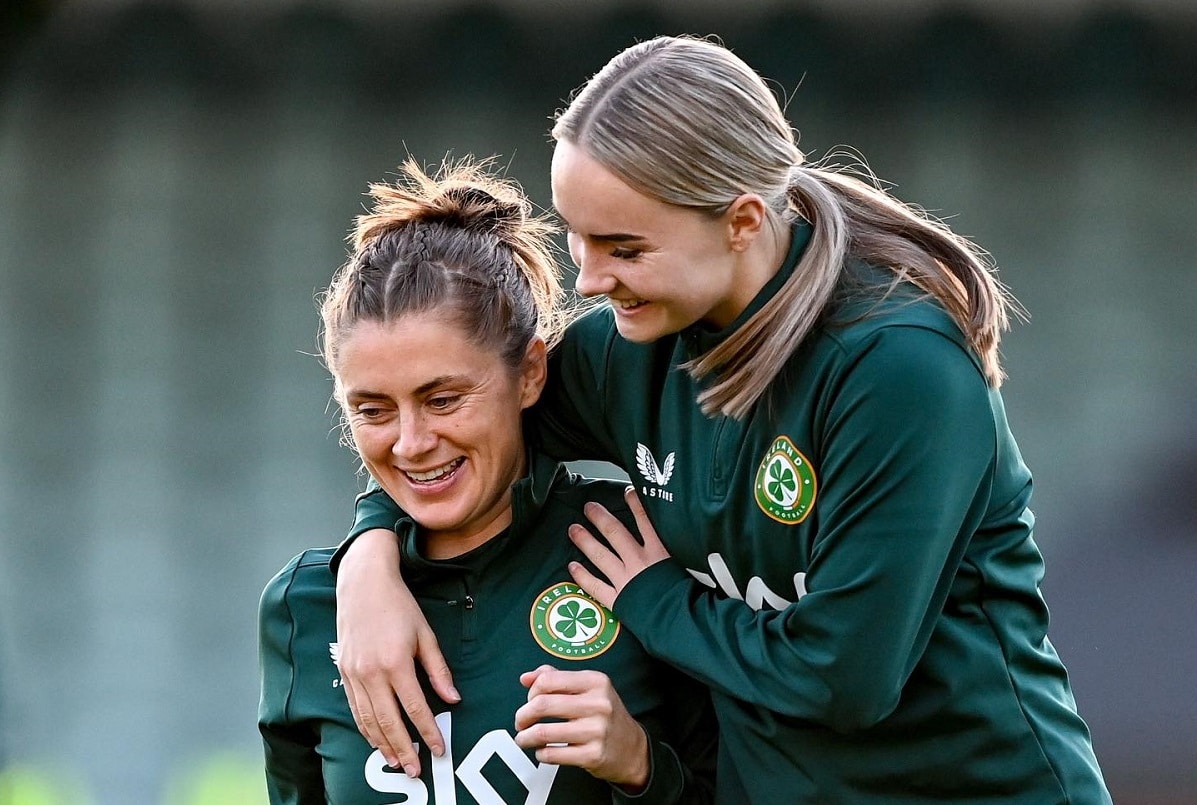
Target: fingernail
x=436 y=749
x=410 y=771
x=454 y=694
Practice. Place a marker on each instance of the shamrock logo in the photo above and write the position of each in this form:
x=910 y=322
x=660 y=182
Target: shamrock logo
x=570 y=625
x=782 y=484
x=785 y=486
x=574 y=617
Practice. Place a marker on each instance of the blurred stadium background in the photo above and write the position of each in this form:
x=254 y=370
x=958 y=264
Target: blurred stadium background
x=175 y=182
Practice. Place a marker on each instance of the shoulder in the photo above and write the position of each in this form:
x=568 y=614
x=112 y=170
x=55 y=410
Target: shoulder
x=914 y=331
x=305 y=576
x=594 y=337
x=573 y=492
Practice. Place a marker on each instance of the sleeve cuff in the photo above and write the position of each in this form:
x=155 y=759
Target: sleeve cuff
x=666 y=779
x=641 y=600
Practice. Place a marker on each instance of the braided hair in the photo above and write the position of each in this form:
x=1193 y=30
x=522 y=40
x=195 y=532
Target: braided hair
x=463 y=241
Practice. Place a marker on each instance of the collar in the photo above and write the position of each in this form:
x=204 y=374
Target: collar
x=699 y=339
x=528 y=496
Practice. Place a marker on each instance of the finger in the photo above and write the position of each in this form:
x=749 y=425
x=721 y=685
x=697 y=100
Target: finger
x=551 y=680
x=585 y=756
x=347 y=686
x=609 y=563
x=540 y=734
x=564 y=706
x=621 y=540
x=428 y=652
x=411 y=698
x=380 y=716
x=648 y=534
x=598 y=589
x=528 y=678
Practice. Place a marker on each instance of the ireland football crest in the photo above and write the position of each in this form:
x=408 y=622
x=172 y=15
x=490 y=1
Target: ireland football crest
x=569 y=624
x=785 y=483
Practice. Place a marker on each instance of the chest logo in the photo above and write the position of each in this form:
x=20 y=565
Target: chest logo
x=569 y=624
x=785 y=485
x=648 y=466
x=334 y=651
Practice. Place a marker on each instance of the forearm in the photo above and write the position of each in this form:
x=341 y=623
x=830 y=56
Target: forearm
x=817 y=660
x=373 y=554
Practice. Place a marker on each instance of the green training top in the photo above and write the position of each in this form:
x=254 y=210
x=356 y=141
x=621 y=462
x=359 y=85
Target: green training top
x=876 y=631
x=503 y=608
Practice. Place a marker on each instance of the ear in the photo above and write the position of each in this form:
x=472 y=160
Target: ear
x=534 y=372
x=746 y=218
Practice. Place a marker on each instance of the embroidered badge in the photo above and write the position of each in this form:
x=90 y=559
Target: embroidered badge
x=785 y=485
x=569 y=624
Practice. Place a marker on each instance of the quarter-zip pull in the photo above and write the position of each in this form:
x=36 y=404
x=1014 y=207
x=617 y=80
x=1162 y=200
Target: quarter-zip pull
x=469 y=601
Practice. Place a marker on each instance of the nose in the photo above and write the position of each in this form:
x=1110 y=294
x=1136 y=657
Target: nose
x=594 y=277
x=414 y=439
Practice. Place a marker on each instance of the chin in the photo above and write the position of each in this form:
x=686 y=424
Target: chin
x=638 y=335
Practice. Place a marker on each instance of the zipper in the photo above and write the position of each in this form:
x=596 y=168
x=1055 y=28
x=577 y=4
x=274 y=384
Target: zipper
x=467 y=614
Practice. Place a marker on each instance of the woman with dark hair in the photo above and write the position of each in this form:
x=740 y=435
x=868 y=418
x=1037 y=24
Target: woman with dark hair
x=435 y=333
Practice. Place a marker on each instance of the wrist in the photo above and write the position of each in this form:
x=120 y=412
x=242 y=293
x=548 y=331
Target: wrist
x=641 y=772
x=373 y=552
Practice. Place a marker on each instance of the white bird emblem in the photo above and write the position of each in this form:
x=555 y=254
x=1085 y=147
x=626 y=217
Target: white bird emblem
x=648 y=466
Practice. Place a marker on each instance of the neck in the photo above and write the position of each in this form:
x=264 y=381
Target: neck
x=450 y=544
x=759 y=264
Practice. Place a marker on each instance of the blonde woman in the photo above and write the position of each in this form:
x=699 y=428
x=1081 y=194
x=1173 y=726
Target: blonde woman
x=800 y=373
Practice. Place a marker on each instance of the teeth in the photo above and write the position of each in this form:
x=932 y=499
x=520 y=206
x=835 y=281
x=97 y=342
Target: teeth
x=432 y=475
x=627 y=304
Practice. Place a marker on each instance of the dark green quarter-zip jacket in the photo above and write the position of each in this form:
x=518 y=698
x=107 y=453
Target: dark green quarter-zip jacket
x=504 y=608
x=853 y=574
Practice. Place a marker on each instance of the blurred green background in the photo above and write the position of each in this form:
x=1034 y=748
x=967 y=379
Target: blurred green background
x=176 y=179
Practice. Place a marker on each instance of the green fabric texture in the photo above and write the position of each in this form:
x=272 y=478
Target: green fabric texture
x=482 y=608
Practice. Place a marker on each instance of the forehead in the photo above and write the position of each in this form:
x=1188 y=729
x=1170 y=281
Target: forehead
x=588 y=195
x=408 y=352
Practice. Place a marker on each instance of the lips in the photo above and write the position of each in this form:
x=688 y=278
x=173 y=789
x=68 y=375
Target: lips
x=628 y=304
x=434 y=474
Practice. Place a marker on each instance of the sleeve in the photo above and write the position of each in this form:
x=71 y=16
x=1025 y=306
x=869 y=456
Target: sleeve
x=565 y=424
x=568 y=423
x=294 y=774
x=682 y=763
x=373 y=509
x=907 y=455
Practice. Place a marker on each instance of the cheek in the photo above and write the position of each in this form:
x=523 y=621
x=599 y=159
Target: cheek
x=370 y=442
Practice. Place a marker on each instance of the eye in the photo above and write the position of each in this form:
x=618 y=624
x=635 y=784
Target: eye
x=369 y=412
x=443 y=402
x=620 y=253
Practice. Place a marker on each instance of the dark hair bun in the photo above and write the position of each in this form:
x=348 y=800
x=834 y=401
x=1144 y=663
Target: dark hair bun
x=472 y=207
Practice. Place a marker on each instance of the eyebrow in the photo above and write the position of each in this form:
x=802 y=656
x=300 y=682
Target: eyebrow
x=618 y=237
x=613 y=237
x=443 y=380
x=424 y=388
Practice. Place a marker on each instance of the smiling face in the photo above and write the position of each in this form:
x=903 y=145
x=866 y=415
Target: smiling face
x=663 y=267
x=436 y=420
